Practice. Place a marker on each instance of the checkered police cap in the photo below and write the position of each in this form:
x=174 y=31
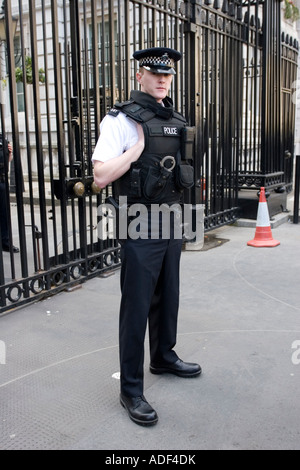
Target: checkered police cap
x=158 y=59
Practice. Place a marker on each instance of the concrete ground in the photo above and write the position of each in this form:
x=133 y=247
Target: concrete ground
x=239 y=318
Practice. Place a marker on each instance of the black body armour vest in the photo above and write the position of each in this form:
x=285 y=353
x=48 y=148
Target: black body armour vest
x=152 y=178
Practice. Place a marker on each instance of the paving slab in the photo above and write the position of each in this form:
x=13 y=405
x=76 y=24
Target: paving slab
x=239 y=318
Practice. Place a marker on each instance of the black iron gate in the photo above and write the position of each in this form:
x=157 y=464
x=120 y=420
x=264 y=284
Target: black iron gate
x=65 y=63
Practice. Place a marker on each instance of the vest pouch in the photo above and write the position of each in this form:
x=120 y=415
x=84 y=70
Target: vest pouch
x=184 y=176
x=135 y=181
x=187 y=143
x=154 y=184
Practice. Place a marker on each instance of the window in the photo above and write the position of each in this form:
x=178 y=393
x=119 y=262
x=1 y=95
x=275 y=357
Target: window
x=103 y=42
x=20 y=85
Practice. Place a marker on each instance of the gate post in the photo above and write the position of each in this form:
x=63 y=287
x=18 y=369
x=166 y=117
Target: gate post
x=271 y=91
x=194 y=110
x=193 y=115
x=190 y=29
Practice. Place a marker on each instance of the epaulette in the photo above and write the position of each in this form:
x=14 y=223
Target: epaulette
x=135 y=111
x=113 y=112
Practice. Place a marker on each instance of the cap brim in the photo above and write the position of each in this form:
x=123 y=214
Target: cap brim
x=166 y=70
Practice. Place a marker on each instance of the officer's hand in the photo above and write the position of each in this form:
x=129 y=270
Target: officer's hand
x=10 y=152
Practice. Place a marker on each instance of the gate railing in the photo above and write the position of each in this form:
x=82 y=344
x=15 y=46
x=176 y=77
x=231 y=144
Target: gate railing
x=52 y=202
x=77 y=59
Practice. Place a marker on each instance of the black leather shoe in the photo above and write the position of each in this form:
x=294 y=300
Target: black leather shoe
x=180 y=368
x=7 y=248
x=139 y=410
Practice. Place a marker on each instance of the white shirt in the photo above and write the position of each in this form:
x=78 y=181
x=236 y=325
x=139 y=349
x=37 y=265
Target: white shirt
x=117 y=134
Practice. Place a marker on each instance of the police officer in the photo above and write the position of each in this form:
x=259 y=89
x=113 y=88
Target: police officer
x=139 y=150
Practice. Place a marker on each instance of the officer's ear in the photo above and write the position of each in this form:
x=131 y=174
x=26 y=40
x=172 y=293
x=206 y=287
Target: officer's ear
x=139 y=75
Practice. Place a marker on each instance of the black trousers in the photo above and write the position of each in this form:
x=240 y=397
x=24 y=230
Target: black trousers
x=150 y=292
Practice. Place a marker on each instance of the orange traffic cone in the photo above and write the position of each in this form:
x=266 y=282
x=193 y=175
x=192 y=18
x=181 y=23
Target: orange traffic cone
x=263 y=234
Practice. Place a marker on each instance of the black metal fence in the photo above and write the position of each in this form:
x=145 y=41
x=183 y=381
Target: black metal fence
x=66 y=65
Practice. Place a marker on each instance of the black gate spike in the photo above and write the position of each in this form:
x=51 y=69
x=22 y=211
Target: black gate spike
x=225 y=6
x=240 y=13
x=217 y=5
x=252 y=21
x=231 y=9
x=208 y=2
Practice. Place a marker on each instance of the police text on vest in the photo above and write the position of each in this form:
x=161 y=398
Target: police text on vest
x=170 y=131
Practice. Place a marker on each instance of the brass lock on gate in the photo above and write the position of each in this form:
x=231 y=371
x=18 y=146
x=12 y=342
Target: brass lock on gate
x=90 y=188
x=95 y=189
x=76 y=188
x=79 y=189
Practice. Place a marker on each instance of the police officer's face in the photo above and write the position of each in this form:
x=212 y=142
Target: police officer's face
x=155 y=84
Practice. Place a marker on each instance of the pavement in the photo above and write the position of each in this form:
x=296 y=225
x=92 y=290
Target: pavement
x=239 y=318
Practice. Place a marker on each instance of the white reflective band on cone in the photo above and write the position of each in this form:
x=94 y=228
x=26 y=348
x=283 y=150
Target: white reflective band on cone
x=263 y=219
